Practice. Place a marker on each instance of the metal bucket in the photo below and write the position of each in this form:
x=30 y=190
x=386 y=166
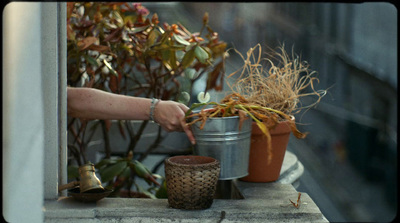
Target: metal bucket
x=221 y=139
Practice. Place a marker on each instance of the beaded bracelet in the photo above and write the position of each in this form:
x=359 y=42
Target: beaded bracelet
x=153 y=105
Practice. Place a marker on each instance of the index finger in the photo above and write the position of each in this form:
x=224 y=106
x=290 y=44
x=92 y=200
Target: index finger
x=185 y=127
x=188 y=131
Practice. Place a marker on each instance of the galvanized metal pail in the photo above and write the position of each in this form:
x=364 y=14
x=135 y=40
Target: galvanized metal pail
x=221 y=139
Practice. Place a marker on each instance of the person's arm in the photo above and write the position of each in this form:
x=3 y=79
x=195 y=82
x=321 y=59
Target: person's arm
x=90 y=103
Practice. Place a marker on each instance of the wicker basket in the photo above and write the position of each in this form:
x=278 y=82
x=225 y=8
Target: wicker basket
x=191 y=181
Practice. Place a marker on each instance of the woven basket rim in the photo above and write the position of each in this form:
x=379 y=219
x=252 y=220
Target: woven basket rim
x=192 y=161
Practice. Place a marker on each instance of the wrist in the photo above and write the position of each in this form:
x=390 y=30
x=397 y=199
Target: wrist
x=153 y=104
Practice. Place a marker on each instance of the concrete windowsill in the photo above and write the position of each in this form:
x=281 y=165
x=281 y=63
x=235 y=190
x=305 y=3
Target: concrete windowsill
x=263 y=202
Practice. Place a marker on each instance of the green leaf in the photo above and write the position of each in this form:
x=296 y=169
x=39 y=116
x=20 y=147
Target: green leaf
x=162 y=191
x=109 y=25
x=139 y=29
x=166 y=54
x=153 y=34
x=146 y=192
x=108 y=65
x=172 y=60
x=184 y=97
x=126 y=172
x=201 y=54
x=140 y=169
x=188 y=58
x=91 y=60
x=160 y=46
x=177 y=47
x=126 y=48
x=190 y=73
x=130 y=18
x=118 y=18
x=180 y=40
x=102 y=163
x=109 y=172
x=157 y=176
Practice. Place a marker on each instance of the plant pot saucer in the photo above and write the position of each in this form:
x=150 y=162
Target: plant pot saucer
x=88 y=196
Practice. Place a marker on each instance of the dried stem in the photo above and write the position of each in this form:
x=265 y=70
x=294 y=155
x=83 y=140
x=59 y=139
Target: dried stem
x=279 y=84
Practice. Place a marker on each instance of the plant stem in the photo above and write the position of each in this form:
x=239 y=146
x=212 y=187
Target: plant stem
x=107 y=148
x=262 y=108
x=251 y=115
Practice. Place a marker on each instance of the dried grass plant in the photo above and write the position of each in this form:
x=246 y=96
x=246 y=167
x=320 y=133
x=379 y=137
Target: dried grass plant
x=279 y=85
x=269 y=93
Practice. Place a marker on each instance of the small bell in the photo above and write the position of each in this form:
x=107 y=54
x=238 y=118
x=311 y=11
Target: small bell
x=89 y=181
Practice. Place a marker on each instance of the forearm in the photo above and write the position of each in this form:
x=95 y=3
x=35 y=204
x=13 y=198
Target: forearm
x=91 y=103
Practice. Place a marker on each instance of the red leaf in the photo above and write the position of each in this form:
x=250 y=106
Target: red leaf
x=99 y=48
x=85 y=43
x=114 y=83
x=89 y=83
x=114 y=36
x=213 y=76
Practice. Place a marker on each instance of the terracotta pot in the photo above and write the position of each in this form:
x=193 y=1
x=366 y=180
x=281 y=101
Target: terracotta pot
x=259 y=169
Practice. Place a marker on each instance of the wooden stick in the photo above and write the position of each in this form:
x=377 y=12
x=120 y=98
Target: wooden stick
x=68 y=185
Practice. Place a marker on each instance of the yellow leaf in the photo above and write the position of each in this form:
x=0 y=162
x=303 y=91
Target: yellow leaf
x=266 y=132
x=263 y=128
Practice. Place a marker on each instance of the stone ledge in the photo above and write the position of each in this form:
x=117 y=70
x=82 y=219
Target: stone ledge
x=263 y=202
x=291 y=169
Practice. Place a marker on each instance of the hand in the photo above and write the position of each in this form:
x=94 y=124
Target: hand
x=170 y=115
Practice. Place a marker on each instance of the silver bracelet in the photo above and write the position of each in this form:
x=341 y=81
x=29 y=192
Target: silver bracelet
x=152 y=106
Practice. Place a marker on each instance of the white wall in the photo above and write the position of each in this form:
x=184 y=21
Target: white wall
x=34 y=106
x=23 y=116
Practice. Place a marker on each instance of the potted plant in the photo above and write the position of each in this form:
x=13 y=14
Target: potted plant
x=222 y=132
x=270 y=95
x=121 y=48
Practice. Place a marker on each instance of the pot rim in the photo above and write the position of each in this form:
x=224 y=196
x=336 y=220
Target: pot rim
x=292 y=119
x=281 y=128
x=191 y=161
x=228 y=117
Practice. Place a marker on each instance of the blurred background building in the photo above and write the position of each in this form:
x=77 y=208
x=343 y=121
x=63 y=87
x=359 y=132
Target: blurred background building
x=350 y=155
